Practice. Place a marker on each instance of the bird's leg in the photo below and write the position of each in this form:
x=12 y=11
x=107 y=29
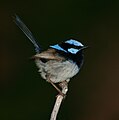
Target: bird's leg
x=60 y=92
x=64 y=86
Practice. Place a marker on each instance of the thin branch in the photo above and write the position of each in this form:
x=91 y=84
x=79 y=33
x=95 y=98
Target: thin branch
x=59 y=99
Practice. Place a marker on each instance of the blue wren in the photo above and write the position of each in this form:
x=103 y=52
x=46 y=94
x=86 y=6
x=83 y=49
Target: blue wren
x=60 y=62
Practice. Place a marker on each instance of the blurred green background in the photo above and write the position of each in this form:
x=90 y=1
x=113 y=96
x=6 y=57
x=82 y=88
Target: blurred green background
x=94 y=93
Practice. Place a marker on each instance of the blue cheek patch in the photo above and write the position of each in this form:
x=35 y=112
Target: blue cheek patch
x=73 y=50
x=74 y=42
x=57 y=47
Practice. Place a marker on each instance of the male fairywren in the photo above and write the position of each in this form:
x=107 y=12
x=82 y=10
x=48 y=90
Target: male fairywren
x=60 y=62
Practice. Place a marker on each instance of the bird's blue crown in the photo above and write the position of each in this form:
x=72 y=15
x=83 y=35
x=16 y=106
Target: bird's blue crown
x=69 y=46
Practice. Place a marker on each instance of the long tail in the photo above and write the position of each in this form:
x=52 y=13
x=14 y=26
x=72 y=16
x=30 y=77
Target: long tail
x=27 y=32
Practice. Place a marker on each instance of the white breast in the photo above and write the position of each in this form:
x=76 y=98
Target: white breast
x=58 y=70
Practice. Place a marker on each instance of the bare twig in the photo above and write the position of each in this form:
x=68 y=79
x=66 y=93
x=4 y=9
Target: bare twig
x=59 y=99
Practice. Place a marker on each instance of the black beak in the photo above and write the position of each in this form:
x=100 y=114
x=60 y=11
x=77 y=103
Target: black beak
x=84 y=47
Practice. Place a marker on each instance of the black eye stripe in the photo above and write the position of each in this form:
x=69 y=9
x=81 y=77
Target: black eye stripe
x=66 y=46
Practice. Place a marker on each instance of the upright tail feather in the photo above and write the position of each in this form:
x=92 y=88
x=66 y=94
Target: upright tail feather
x=27 y=32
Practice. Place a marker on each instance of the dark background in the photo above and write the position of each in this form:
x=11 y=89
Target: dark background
x=94 y=93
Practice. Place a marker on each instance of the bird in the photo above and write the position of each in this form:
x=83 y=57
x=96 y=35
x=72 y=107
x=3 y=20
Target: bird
x=60 y=62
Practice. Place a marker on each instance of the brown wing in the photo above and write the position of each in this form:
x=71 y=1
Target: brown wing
x=50 y=54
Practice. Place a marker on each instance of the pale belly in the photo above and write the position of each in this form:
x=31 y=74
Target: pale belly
x=58 y=71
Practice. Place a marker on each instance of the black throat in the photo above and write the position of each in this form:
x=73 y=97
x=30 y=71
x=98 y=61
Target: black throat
x=76 y=58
